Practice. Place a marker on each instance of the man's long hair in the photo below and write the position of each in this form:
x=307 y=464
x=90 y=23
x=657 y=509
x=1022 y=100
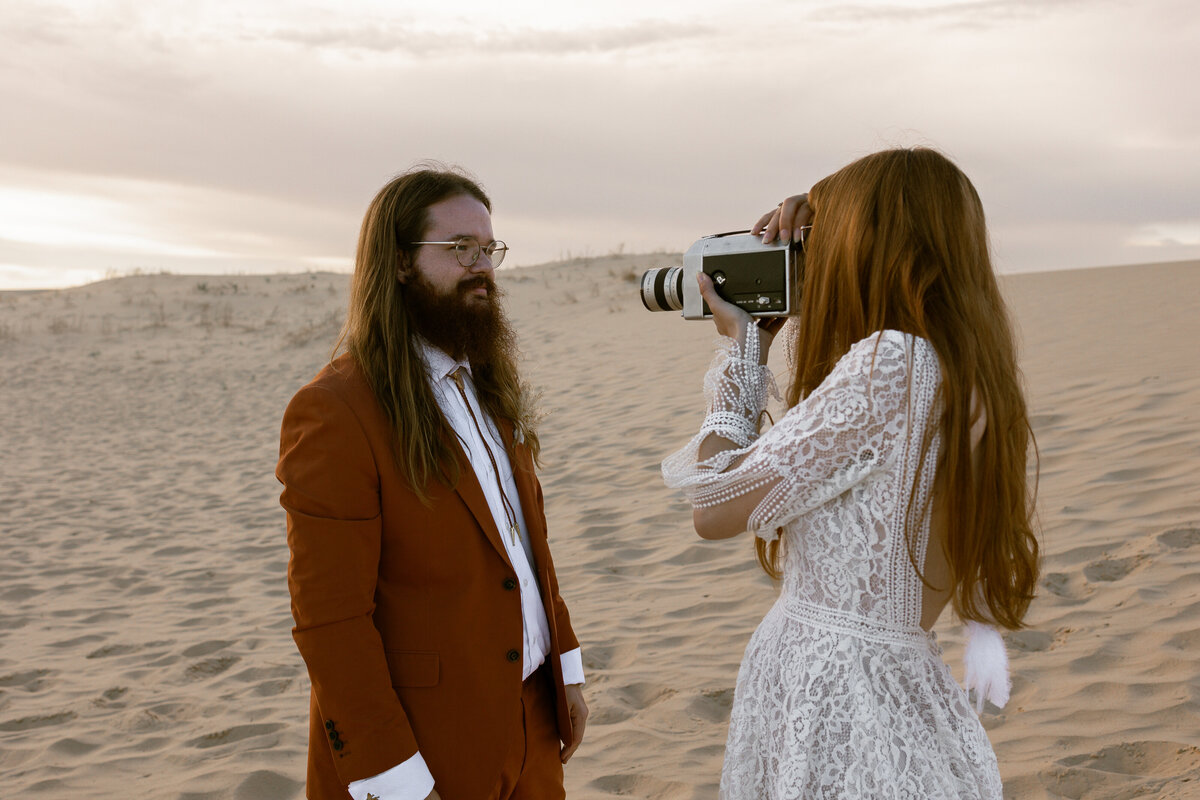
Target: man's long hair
x=380 y=335
x=899 y=242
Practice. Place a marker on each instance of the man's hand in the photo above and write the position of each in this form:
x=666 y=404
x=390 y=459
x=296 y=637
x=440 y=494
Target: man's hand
x=434 y=795
x=785 y=221
x=577 y=707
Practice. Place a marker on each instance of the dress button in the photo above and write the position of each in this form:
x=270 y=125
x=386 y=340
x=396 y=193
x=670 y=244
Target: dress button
x=510 y=584
x=514 y=655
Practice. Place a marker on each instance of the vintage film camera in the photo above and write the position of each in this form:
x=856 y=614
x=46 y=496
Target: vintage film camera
x=763 y=279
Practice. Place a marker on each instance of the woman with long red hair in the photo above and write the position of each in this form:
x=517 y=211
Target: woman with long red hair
x=895 y=485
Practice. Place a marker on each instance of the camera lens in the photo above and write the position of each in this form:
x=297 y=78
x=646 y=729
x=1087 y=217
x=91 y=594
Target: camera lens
x=662 y=289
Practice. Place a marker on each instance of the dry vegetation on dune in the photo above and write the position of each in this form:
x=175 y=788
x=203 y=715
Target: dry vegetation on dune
x=144 y=627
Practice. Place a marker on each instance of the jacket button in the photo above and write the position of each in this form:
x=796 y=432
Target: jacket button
x=338 y=745
x=510 y=584
x=514 y=655
x=333 y=736
x=328 y=724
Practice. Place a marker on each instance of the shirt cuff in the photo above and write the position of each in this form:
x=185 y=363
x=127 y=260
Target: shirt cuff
x=409 y=780
x=572 y=666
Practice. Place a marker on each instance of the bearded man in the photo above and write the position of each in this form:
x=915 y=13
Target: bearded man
x=442 y=659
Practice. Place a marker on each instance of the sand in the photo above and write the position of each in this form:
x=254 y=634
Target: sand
x=145 y=645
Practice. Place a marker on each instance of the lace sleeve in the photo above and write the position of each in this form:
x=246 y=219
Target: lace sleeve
x=737 y=388
x=842 y=432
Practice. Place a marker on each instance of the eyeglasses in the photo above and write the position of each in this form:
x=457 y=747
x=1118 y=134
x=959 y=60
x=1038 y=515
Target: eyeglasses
x=468 y=248
x=805 y=232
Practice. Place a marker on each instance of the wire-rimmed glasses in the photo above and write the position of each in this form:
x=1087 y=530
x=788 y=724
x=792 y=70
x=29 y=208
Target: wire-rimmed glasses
x=805 y=232
x=468 y=248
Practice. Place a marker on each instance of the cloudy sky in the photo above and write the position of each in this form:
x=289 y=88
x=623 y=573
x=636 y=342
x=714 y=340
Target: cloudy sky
x=249 y=136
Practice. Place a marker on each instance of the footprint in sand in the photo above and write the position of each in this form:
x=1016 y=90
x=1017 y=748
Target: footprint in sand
x=273 y=688
x=1110 y=569
x=1040 y=422
x=73 y=748
x=30 y=680
x=640 y=785
x=609 y=657
x=29 y=723
x=610 y=714
x=110 y=698
x=598 y=531
x=206 y=648
x=234 y=734
x=1029 y=640
x=210 y=667
x=1180 y=538
x=643 y=694
x=712 y=705
x=628 y=701
x=1127 y=769
x=112 y=650
x=1059 y=584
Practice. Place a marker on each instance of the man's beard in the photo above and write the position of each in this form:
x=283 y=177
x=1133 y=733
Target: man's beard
x=458 y=322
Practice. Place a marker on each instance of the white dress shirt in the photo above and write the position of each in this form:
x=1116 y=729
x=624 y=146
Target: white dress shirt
x=411 y=780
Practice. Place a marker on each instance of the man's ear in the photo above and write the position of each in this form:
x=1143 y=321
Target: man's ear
x=404 y=269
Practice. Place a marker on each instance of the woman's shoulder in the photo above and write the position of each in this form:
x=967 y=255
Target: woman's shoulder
x=890 y=345
x=888 y=359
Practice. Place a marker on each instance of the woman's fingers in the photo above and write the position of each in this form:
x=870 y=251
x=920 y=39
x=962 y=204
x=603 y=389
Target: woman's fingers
x=729 y=319
x=794 y=213
x=771 y=325
x=785 y=221
x=707 y=290
x=767 y=221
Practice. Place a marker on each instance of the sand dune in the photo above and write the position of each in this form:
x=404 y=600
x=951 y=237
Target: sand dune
x=144 y=623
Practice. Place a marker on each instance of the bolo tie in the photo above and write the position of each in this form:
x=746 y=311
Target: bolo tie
x=513 y=531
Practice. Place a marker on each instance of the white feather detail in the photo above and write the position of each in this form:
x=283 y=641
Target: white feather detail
x=987 y=666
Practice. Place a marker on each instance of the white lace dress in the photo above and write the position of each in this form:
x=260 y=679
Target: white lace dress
x=841 y=694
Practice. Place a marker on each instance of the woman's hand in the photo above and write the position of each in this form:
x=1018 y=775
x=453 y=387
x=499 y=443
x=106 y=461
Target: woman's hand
x=730 y=320
x=785 y=221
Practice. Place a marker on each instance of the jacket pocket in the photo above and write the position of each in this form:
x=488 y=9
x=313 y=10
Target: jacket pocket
x=412 y=668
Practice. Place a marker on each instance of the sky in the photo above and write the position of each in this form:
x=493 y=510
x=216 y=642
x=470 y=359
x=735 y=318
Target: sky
x=249 y=137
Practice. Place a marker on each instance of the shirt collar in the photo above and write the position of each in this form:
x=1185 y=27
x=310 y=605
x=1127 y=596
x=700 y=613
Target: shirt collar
x=440 y=366
x=437 y=363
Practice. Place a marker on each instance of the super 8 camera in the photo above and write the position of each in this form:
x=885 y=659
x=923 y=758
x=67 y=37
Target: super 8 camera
x=763 y=279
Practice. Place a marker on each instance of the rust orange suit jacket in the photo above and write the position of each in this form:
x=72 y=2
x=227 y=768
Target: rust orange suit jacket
x=408 y=616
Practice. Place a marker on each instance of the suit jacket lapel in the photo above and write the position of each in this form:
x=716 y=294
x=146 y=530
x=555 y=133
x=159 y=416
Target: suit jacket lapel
x=471 y=492
x=521 y=461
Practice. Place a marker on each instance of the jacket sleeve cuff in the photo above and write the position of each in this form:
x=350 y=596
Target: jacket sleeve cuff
x=409 y=780
x=572 y=666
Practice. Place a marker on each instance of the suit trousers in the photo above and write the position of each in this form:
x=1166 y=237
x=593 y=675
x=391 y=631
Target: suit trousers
x=533 y=769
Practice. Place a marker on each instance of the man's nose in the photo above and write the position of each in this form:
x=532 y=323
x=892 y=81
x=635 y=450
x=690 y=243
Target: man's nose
x=483 y=263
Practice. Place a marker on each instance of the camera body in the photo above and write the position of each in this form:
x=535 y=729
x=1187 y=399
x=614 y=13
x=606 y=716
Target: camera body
x=763 y=279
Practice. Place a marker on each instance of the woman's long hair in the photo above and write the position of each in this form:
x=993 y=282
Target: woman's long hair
x=379 y=335
x=899 y=242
